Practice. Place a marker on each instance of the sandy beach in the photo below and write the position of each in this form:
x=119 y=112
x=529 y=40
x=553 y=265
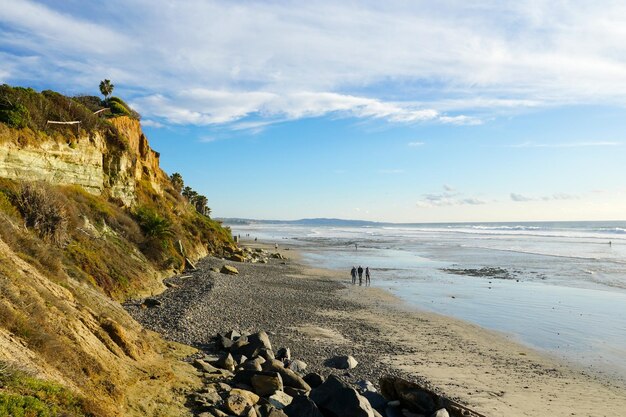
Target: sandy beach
x=318 y=314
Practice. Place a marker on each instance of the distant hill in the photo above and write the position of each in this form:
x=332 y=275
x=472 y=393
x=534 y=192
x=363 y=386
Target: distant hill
x=305 y=222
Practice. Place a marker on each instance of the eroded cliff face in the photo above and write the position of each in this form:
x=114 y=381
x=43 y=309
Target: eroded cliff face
x=89 y=161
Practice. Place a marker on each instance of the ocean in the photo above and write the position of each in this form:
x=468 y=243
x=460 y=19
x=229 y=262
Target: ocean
x=559 y=287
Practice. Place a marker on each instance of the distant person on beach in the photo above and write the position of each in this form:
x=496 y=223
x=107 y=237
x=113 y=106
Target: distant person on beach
x=276 y=246
x=367 y=275
x=255 y=239
x=360 y=271
x=353 y=273
x=356 y=246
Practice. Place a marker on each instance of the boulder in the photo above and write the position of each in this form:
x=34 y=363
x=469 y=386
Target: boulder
x=314 y=380
x=302 y=406
x=236 y=258
x=416 y=398
x=280 y=400
x=232 y=335
x=251 y=397
x=236 y=404
x=266 y=384
x=283 y=353
x=229 y=270
x=342 y=362
x=224 y=342
x=297 y=365
x=365 y=386
x=252 y=365
x=442 y=412
x=226 y=361
x=376 y=400
x=336 y=397
x=239 y=359
x=205 y=367
x=215 y=269
x=290 y=378
x=294 y=392
x=256 y=342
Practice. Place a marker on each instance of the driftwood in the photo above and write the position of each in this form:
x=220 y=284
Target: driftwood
x=54 y=122
x=101 y=110
x=190 y=264
x=420 y=398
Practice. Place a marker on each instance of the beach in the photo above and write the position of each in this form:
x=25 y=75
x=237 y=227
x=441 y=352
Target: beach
x=318 y=314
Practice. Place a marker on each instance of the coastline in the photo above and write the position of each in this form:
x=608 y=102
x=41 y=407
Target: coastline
x=317 y=316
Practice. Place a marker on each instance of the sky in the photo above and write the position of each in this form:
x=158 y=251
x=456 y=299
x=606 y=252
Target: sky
x=401 y=111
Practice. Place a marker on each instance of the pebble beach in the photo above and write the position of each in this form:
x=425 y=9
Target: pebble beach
x=318 y=315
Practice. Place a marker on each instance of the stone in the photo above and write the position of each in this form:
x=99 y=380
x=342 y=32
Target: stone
x=414 y=397
x=239 y=359
x=236 y=258
x=314 y=379
x=236 y=404
x=297 y=365
x=294 y=392
x=256 y=342
x=152 y=302
x=336 y=397
x=215 y=269
x=266 y=354
x=251 y=397
x=442 y=412
x=342 y=362
x=290 y=378
x=232 y=335
x=226 y=361
x=280 y=400
x=211 y=397
x=238 y=344
x=277 y=413
x=205 y=367
x=365 y=386
x=376 y=400
x=283 y=353
x=229 y=270
x=266 y=384
x=252 y=365
x=302 y=406
x=224 y=342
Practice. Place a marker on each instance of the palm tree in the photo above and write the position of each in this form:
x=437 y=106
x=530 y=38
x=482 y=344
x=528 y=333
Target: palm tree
x=200 y=202
x=177 y=181
x=190 y=194
x=106 y=88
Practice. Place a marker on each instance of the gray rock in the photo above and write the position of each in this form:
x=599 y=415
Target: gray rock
x=342 y=362
x=232 y=335
x=290 y=378
x=297 y=366
x=280 y=400
x=226 y=361
x=152 y=302
x=314 y=380
x=365 y=386
x=229 y=270
x=283 y=353
x=302 y=406
x=376 y=400
x=442 y=412
x=205 y=367
x=336 y=397
x=266 y=384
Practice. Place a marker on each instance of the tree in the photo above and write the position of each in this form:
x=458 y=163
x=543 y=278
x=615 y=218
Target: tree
x=106 y=88
x=189 y=194
x=177 y=181
x=201 y=204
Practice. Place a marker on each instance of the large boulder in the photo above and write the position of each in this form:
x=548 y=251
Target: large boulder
x=257 y=342
x=280 y=400
x=302 y=406
x=313 y=379
x=342 y=362
x=297 y=365
x=336 y=397
x=237 y=257
x=290 y=378
x=266 y=384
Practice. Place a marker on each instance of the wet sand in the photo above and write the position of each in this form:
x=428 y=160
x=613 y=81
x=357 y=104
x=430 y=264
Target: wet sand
x=318 y=314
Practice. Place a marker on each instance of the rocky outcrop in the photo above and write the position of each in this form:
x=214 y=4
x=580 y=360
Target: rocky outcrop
x=90 y=161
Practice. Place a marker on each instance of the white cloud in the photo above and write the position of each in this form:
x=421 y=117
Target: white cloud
x=450 y=197
x=520 y=197
x=220 y=61
x=152 y=123
x=415 y=144
x=556 y=196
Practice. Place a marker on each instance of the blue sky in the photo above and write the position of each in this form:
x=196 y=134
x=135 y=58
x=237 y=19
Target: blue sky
x=395 y=111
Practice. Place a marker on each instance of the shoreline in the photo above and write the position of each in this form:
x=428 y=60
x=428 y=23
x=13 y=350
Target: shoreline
x=314 y=313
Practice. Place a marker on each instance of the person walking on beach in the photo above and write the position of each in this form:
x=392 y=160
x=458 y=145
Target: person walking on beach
x=353 y=273
x=367 y=275
x=360 y=271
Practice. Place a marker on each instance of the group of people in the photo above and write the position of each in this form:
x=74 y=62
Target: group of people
x=359 y=271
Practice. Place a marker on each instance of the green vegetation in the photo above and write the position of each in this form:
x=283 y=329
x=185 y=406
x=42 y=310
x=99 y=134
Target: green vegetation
x=22 y=395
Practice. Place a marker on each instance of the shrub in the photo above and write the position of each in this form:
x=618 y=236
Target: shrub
x=153 y=225
x=43 y=211
x=16 y=116
x=120 y=108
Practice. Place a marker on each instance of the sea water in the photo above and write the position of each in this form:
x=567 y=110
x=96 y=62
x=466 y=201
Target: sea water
x=559 y=287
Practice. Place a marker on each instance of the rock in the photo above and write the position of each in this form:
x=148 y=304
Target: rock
x=215 y=269
x=251 y=397
x=376 y=400
x=314 y=380
x=236 y=257
x=236 y=404
x=277 y=413
x=229 y=270
x=211 y=397
x=290 y=378
x=414 y=397
x=283 y=353
x=342 y=362
x=152 y=302
x=442 y=412
x=336 y=397
x=226 y=361
x=224 y=342
x=266 y=384
x=280 y=400
x=294 y=392
x=266 y=354
x=232 y=335
x=297 y=365
x=277 y=255
x=252 y=365
x=302 y=406
x=365 y=386
x=205 y=367
x=256 y=342
x=238 y=344
x=239 y=359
